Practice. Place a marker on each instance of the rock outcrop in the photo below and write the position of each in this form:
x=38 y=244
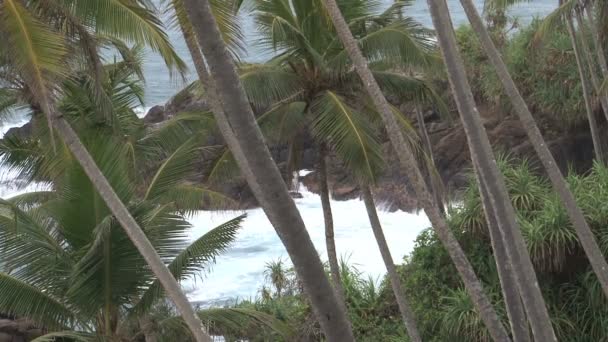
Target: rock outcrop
x=572 y=148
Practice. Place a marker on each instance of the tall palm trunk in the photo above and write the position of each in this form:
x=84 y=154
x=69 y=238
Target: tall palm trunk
x=575 y=214
x=330 y=242
x=595 y=135
x=131 y=227
x=488 y=173
x=252 y=155
x=404 y=308
x=591 y=64
x=147 y=328
x=408 y=162
x=428 y=150
x=508 y=284
x=599 y=47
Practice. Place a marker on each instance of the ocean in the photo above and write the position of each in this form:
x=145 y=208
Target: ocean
x=238 y=273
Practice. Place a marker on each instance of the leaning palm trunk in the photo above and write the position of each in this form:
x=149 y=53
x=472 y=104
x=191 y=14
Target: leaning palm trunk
x=595 y=135
x=595 y=81
x=488 y=174
x=406 y=311
x=408 y=161
x=131 y=227
x=508 y=284
x=434 y=185
x=599 y=47
x=575 y=214
x=330 y=241
x=239 y=128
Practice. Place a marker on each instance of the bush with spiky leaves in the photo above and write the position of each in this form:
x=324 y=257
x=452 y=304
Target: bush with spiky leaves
x=544 y=70
x=574 y=297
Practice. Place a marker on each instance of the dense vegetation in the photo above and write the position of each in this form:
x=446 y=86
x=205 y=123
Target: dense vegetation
x=442 y=306
x=98 y=252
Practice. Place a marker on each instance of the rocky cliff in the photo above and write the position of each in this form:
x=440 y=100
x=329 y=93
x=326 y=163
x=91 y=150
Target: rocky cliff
x=572 y=147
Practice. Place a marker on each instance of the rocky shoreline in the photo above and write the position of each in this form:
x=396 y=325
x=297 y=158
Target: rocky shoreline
x=572 y=148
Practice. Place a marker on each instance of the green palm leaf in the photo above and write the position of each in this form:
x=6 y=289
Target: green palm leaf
x=23 y=300
x=190 y=198
x=349 y=133
x=134 y=21
x=174 y=169
x=267 y=84
x=554 y=20
x=61 y=335
x=232 y=321
x=194 y=259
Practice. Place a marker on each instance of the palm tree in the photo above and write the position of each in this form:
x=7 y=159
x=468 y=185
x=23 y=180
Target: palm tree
x=95 y=258
x=552 y=21
x=409 y=163
x=589 y=60
x=312 y=92
x=406 y=312
x=38 y=62
x=238 y=126
x=576 y=215
x=491 y=178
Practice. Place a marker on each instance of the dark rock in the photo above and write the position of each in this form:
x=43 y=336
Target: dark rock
x=155 y=115
x=22 y=132
x=296 y=194
x=187 y=100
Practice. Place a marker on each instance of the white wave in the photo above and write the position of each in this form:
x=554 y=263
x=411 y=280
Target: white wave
x=238 y=273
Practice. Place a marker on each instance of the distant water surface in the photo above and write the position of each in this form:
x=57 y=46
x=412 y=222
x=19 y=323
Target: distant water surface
x=160 y=86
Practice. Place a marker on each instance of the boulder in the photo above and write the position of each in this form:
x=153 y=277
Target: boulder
x=22 y=132
x=155 y=115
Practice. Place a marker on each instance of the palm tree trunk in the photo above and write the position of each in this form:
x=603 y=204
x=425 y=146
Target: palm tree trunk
x=406 y=311
x=595 y=135
x=330 y=242
x=408 y=162
x=147 y=328
x=599 y=47
x=595 y=81
x=131 y=227
x=251 y=153
x=483 y=158
x=575 y=214
x=428 y=150
x=508 y=284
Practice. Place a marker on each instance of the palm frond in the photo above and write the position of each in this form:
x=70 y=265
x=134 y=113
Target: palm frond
x=65 y=335
x=348 y=133
x=403 y=43
x=133 y=21
x=267 y=84
x=174 y=170
x=554 y=20
x=194 y=259
x=226 y=14
x=23 y=300
x=190 y=198
x=31 y=199
x=236 y=322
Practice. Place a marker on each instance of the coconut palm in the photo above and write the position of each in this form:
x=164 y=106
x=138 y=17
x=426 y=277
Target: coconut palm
x=43 y=34
x=552 y=21
x=489 y=175
x=239 y=129
x=312 y=92
x=98 y=261
x=576 y=215
x=408 y=161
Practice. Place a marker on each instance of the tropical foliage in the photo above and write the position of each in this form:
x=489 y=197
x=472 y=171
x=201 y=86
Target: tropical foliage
x=441 y=305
